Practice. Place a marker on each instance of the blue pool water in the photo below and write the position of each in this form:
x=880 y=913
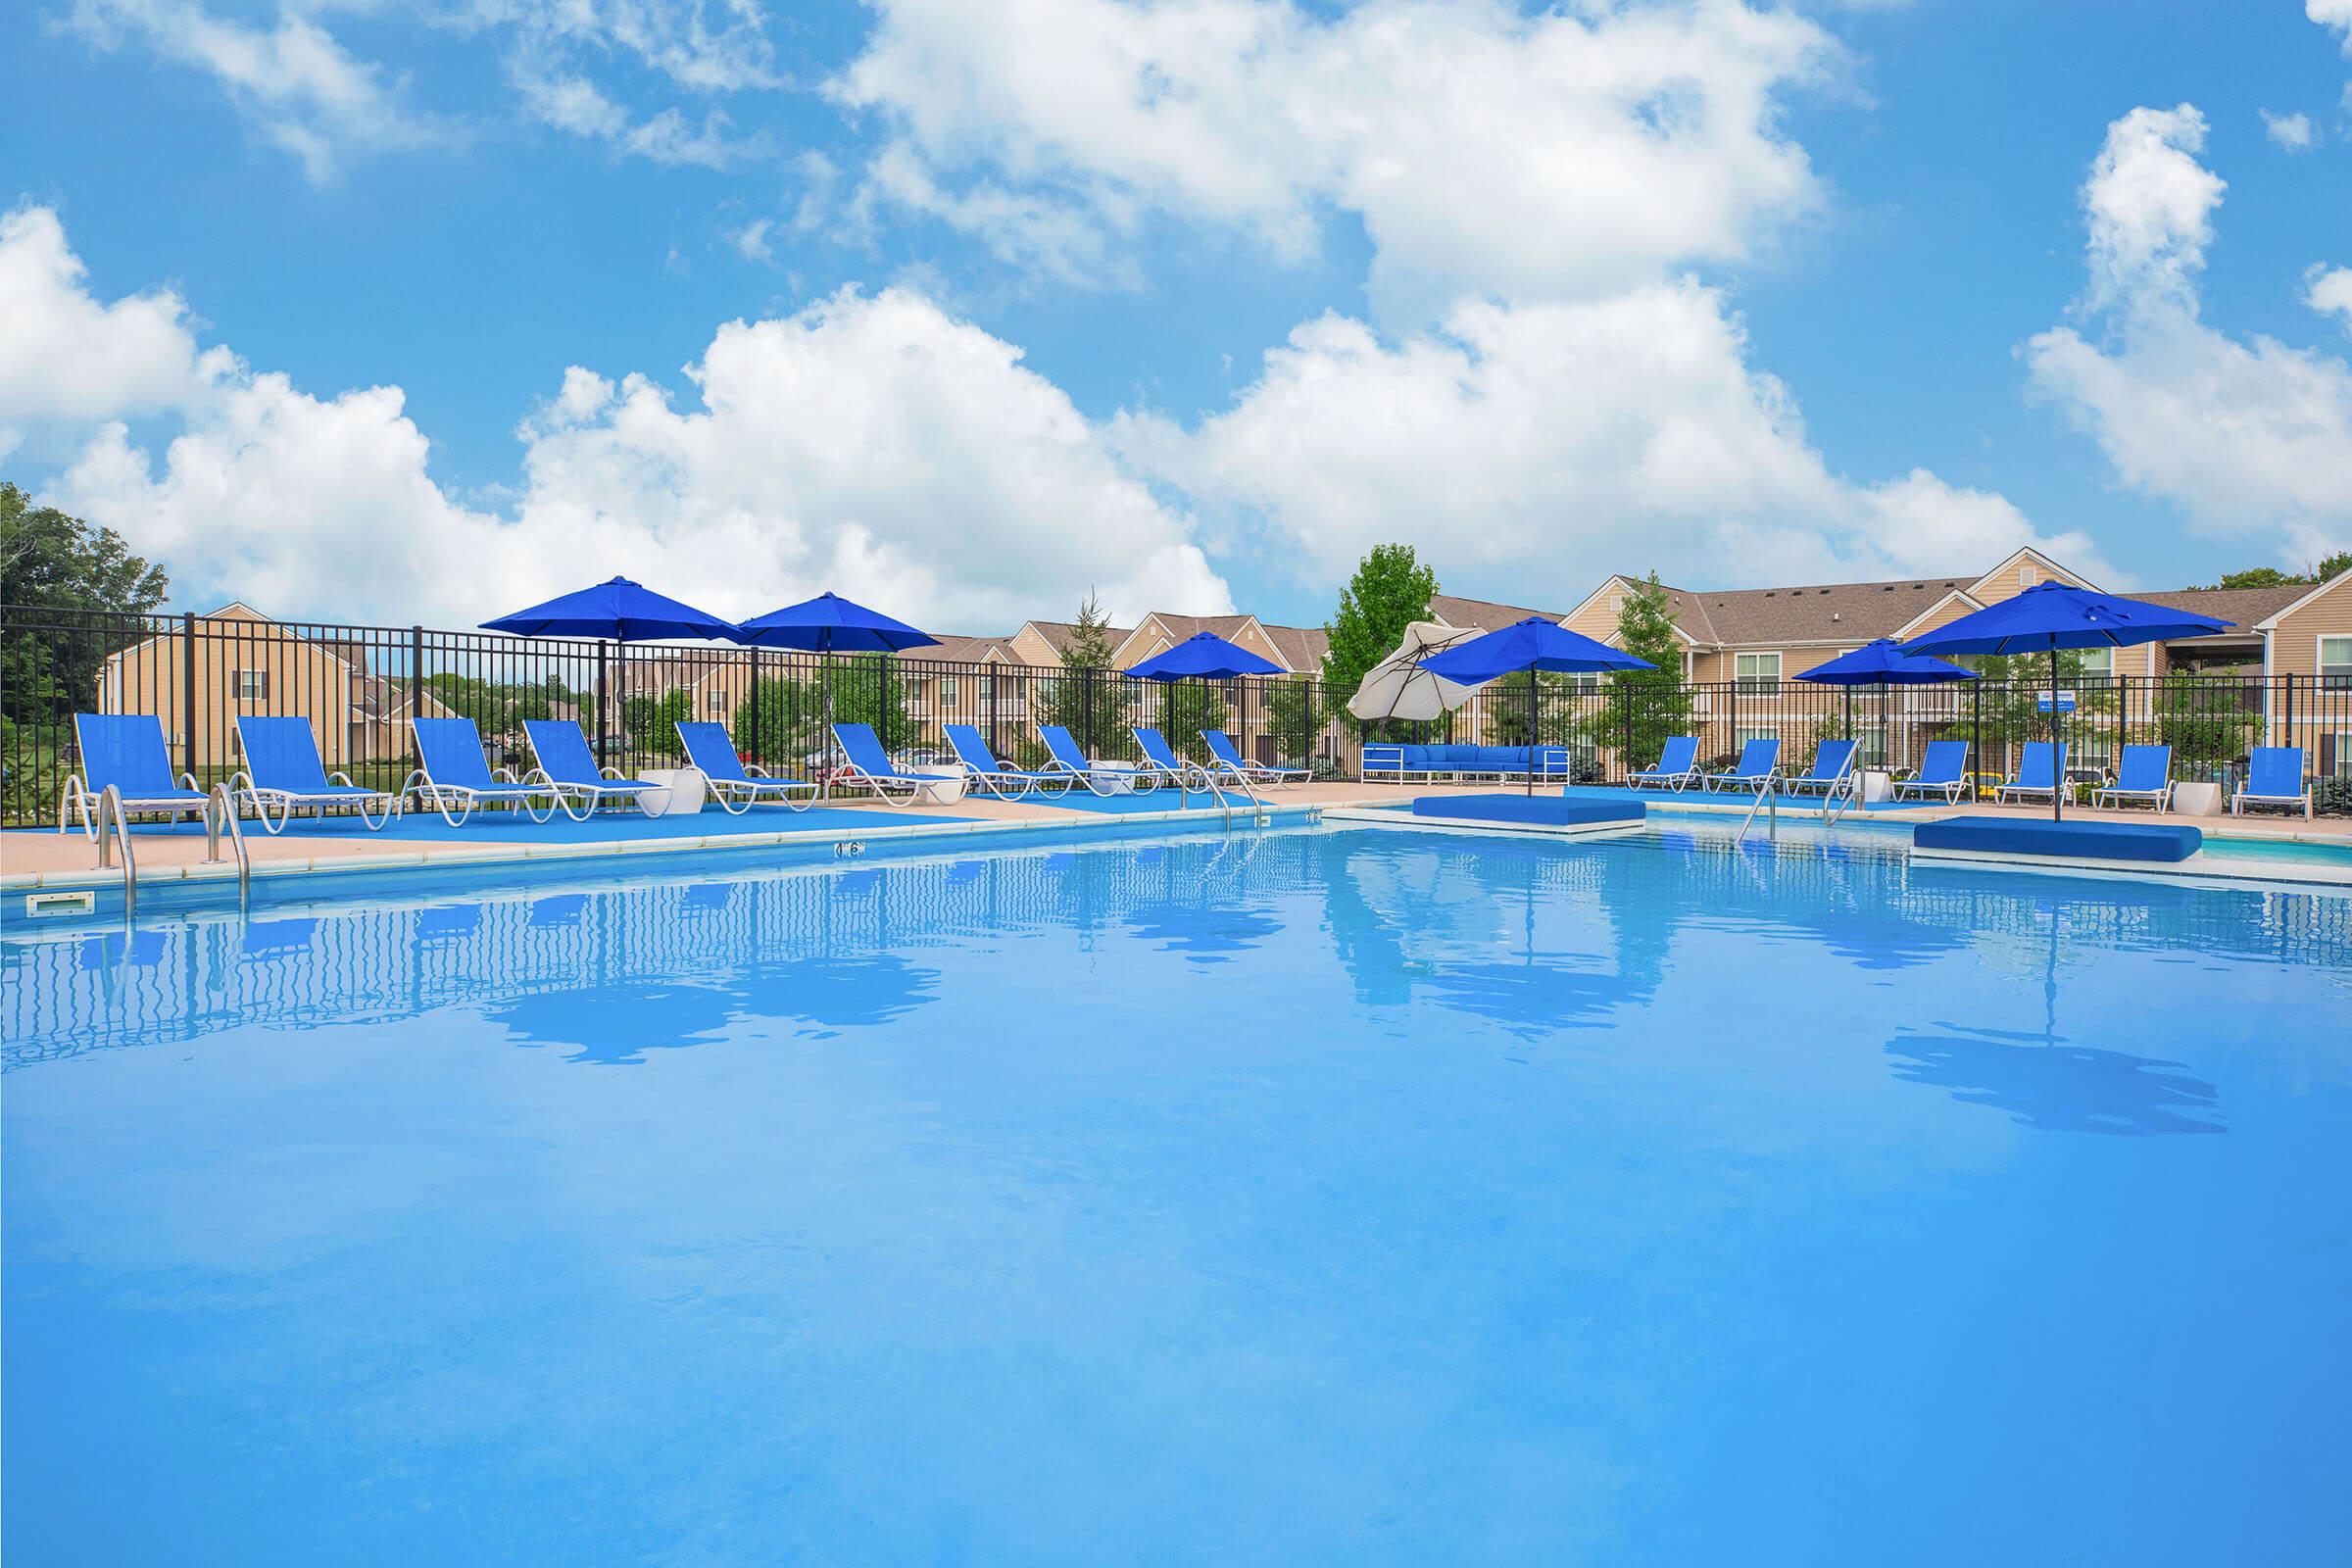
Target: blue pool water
x=1351 y=1196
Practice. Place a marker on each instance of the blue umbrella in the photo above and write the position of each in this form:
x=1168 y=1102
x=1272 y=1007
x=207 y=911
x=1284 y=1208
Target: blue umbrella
x=619 y=610
x=1203 y=655
x=1531 y=645
x=2052 y=615
x=1885 y=663
x=1881 y=663
x=831 y=624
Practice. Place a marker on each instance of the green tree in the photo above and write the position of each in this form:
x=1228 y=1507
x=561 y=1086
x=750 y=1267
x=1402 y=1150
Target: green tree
x=649 y=722
x=1186 y=708
x=1390 y=591
x=782 y=723
x=2333 y=565
x=1088 y=698
x=869 y=690
x=1640 y=708
x=60 y=561
x=2206 y=722
x=1296 y=715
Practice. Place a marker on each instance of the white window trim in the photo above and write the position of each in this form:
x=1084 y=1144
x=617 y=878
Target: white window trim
x=2319 y=661
x=2343 y=754
x=237 y=684
x=1778 y=675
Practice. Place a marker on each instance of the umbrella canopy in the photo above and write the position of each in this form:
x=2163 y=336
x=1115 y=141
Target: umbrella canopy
x=1203 y=655
x=831 y=624
x=1529 y=645
x=2052 y=615
x=2057 y=614
x=1884 y=663
x=619 y=610
x=1397 y=687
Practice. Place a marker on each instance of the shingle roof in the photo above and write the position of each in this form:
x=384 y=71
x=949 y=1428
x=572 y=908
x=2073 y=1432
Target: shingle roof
x=1486 y=614
x=961 y=651
x=1060 y=634
x=2242 y=605
x=1842 y=611
x=1302 y=647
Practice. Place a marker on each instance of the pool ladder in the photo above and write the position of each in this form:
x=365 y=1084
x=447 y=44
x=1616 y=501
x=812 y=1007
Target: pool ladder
x=1767 y=800
x=1208 y=785
x=113 y=828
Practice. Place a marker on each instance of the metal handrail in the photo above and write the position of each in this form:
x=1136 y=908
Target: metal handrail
x=1843 y=802
x=1769 y=792
x=110 y=814
x=222 y=813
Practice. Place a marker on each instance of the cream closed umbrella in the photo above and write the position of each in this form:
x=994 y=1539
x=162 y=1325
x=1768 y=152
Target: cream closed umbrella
x=1397 y=687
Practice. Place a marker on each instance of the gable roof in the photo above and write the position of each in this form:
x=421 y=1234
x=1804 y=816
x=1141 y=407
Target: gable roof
x=1486 y=614
x=2271 y=622
x=952 y=650
x=1302 y=647
x=2246 y=606
x=2028 y=553
x=1060 y=634
x=1816 y=613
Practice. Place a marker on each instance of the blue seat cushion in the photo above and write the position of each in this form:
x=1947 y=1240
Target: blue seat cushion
x=1550 y=811
x=2091 y=841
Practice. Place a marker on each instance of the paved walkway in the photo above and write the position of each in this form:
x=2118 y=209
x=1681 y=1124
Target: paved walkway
x=422 y=838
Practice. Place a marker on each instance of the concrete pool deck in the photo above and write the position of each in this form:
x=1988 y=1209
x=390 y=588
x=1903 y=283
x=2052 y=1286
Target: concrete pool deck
x=42 y=860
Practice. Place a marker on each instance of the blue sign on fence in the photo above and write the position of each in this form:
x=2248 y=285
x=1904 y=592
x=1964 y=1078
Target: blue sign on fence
x=2066 y=701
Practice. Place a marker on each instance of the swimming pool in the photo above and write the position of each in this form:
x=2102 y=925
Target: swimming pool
x=1314 y=1195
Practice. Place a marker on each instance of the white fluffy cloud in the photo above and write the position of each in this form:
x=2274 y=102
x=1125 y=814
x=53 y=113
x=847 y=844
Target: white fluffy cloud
x=2328 y=291
x=869 y=444
x=1568 y=151
x=2250 y=438
x=2294 y=132
x=1544 y=446
x=296 y=86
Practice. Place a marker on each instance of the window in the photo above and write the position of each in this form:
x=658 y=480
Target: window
x=253 y=685
x=947 y=691
x=2338 y=763
x=2335 y=663
x=719 y=701
x=1757 y=672
x=2098 y=666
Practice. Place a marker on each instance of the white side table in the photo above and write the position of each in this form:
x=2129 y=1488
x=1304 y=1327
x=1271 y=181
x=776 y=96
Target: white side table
x=940 y=792
x=2197 y=799
x=1876 y=784
x=681 y=791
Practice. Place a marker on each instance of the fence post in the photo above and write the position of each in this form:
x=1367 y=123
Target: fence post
x=752 y=728
x=1975 y=736
x=415 y=674
x=2288 y=736
x=187 y=691
x=1086 y=694
x=604 y=733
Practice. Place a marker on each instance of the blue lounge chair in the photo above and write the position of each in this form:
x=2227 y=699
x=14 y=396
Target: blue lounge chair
x=981 y=767
x=1228 y=759
x=1942 y=771
x=282 y=769
x=453 y=777
x=1833 y=772
x=736 y=786
x=2145 y=774
x=2038 y=772
x=1678 y=766
x=870 y=767
x=1103 y=778
x=2273 y=777
x=1759 y=765
x=127 y=752
x=1160 y=755
x=566 y=766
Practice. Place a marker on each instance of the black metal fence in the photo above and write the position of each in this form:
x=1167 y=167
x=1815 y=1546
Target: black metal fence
x=360 y=685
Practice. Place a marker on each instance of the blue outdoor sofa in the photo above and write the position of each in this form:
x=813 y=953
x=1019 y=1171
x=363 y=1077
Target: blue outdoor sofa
x=1398 y=764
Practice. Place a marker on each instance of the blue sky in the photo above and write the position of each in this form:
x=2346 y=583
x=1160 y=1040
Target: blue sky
x=1742 y=294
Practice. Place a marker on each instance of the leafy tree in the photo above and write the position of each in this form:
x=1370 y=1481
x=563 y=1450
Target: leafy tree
x=1641 y=708
x=869 y=690
x=1557 y=701
x=2333 y=565
x=1186 y=708
x=56 y=561
x=2206 y=722
x=1390 y=591
x=649 y=721
x=1089 y=699
x=1296 y=715
x=783 y=721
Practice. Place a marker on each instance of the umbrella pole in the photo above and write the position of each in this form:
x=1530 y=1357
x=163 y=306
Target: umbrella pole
x=1531 y=730
x=825 y=788
x=2057 y=758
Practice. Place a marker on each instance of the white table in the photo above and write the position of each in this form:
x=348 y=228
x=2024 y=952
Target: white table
x=681 y=794
x=1876 y=784
x=2197 y=799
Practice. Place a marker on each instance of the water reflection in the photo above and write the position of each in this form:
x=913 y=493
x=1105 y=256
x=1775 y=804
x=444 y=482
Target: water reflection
x=2058 y=1087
